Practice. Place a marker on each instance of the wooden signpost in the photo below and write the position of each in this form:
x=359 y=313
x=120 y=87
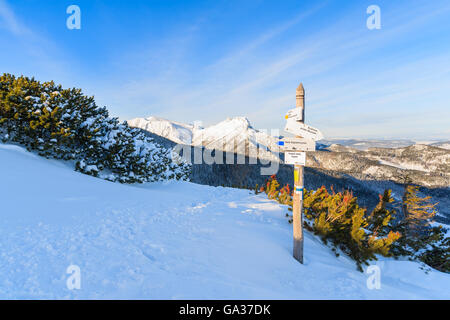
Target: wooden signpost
x=295 y=149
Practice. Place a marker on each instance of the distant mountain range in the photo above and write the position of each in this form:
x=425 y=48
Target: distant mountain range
x=239 y=128
x=362 y=144
x=365 y=166
x=442 y=144
x=425 y=165
x=231 y=135
x=393 y=160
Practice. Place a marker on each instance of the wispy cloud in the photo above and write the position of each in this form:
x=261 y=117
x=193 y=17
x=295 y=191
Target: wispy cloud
x=39 y=53
x=246 y=82
x=9 y=21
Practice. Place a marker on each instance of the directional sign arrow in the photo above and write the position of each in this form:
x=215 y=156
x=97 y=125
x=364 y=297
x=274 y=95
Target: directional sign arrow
x=303 y=130
x=295 y=114
x=297 y=144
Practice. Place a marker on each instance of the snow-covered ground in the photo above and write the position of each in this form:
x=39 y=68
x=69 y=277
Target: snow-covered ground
x=172 y=240
x=397 y=165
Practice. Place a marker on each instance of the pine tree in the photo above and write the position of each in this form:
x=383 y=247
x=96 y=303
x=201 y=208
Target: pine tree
x=420 y=240
x=285 y=196
x=272 y=188
x=418 y=211
x=65 y=124
x=338 y=219
x=381 y=217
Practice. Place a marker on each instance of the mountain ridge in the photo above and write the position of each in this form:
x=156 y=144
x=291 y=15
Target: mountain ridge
x=234 y=134
x=426 y=165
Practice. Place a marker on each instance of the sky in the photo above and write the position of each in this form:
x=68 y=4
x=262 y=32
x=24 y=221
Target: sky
x=208 y=60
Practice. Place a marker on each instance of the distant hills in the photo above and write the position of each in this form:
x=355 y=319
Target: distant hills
x=362 y=144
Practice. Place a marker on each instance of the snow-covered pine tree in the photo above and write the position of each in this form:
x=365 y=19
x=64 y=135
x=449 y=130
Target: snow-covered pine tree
x=65 y=124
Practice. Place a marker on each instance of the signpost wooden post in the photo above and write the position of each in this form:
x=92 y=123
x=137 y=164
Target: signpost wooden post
x=297 y=207
x=295 y=153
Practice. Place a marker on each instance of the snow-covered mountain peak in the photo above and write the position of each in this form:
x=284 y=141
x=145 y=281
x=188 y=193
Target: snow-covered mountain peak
x=231 y=126
x=176 y=131
x=237 y=121
x=228 y=135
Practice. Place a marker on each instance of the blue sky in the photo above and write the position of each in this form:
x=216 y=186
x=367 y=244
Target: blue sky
x=208 y=60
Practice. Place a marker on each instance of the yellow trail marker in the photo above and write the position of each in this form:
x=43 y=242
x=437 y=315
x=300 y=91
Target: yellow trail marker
x=295 y=176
